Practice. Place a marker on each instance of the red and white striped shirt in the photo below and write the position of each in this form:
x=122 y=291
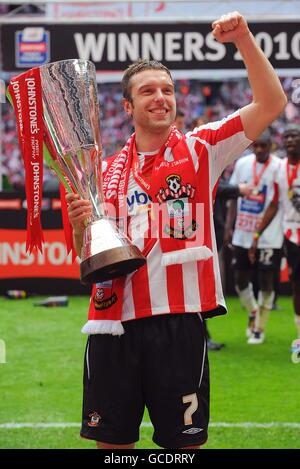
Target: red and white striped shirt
x=188 y=287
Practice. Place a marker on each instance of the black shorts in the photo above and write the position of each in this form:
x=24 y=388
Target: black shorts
x=292 y=253
x=159 y=362
x=266 y=259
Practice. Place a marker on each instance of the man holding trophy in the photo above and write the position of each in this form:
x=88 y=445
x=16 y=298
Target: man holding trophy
x=146 y=344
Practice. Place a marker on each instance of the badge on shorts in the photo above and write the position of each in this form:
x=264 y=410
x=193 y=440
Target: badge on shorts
x=94 y=419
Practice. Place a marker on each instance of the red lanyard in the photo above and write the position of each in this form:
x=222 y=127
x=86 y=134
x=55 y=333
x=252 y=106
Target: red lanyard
x=257 y=177
x=291 y=175
x=139 y=175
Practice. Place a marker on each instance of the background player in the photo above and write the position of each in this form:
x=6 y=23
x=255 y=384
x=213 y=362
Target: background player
x=259 y=170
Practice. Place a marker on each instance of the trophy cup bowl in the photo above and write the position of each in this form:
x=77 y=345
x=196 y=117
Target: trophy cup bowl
x=73 y=146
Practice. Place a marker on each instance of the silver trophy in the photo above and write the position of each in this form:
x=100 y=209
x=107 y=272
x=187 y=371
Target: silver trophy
x=73 y=149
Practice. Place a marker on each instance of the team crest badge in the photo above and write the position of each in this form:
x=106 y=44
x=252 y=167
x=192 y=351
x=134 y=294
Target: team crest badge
x=175 y=189
x=177 y=196
x=104 y=296
x=94 y=419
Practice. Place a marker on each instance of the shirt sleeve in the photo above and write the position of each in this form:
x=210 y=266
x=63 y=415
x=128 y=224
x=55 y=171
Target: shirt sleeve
x=225 y=141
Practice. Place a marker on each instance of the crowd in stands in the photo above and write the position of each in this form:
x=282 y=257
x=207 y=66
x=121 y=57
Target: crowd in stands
x=210 y=101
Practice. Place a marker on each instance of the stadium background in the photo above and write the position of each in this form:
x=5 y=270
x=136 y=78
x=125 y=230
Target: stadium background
x=206 y=88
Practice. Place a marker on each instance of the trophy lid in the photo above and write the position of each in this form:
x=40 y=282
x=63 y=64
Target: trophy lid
x=70 y=62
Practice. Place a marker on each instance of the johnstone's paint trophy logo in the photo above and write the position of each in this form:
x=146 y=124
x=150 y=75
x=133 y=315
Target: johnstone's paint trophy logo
x=32 y=47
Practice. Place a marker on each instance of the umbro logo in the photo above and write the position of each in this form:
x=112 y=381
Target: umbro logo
x=192 y=431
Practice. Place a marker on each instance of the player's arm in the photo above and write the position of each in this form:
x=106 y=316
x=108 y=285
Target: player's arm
x=79 y=211
x=230 y=218
x=269 y=98
x=226 y=190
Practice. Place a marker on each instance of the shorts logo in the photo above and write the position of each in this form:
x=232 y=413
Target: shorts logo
x=192 y=431
x=94 y=419
x=99 y=294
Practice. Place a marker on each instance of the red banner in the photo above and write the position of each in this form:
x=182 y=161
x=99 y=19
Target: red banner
x=53 y=262
x=26 y=93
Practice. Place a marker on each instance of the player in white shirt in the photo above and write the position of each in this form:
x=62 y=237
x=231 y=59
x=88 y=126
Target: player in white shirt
x=289 y=195
x=258 y=170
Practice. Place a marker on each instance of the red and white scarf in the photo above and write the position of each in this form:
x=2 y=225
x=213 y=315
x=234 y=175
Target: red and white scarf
x=181 y=216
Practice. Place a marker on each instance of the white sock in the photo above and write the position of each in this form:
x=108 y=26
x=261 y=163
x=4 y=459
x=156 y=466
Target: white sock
x=248 y=299
x=265 y=302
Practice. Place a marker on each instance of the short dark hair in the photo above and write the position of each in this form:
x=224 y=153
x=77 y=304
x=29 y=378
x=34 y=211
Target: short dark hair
x=139 y=66
x=291 y=128
x=180 y=113
x=265 y=136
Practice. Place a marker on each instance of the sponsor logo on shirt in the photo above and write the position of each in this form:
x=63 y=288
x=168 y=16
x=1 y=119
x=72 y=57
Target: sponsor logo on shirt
x=138 y=198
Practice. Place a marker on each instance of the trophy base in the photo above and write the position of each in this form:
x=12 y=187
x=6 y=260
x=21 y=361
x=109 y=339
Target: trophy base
x=110 y=264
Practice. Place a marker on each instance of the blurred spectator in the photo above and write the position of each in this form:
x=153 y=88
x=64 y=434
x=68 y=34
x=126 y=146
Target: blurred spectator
x=218 y=100
x=180 y=121
x=198 y=121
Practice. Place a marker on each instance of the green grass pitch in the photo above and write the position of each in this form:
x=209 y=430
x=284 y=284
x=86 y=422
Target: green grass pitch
x=254 y=389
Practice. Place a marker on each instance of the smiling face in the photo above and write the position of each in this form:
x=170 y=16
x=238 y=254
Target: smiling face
x=152 y=105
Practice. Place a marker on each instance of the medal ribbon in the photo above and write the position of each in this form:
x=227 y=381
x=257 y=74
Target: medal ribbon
x=257 y=177
x=26 y=93
x=291 y=175
x=138 y=173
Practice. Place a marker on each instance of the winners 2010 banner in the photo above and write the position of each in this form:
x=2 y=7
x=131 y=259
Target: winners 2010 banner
x=113 y=46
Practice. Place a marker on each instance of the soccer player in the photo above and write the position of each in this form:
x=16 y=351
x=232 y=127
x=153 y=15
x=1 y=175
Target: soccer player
x=258 y=170
x=289 y=195
x=160 y=361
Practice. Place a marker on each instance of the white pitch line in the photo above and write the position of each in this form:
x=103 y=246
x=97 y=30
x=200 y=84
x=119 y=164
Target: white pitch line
x=13 y=425
x=256 y=425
